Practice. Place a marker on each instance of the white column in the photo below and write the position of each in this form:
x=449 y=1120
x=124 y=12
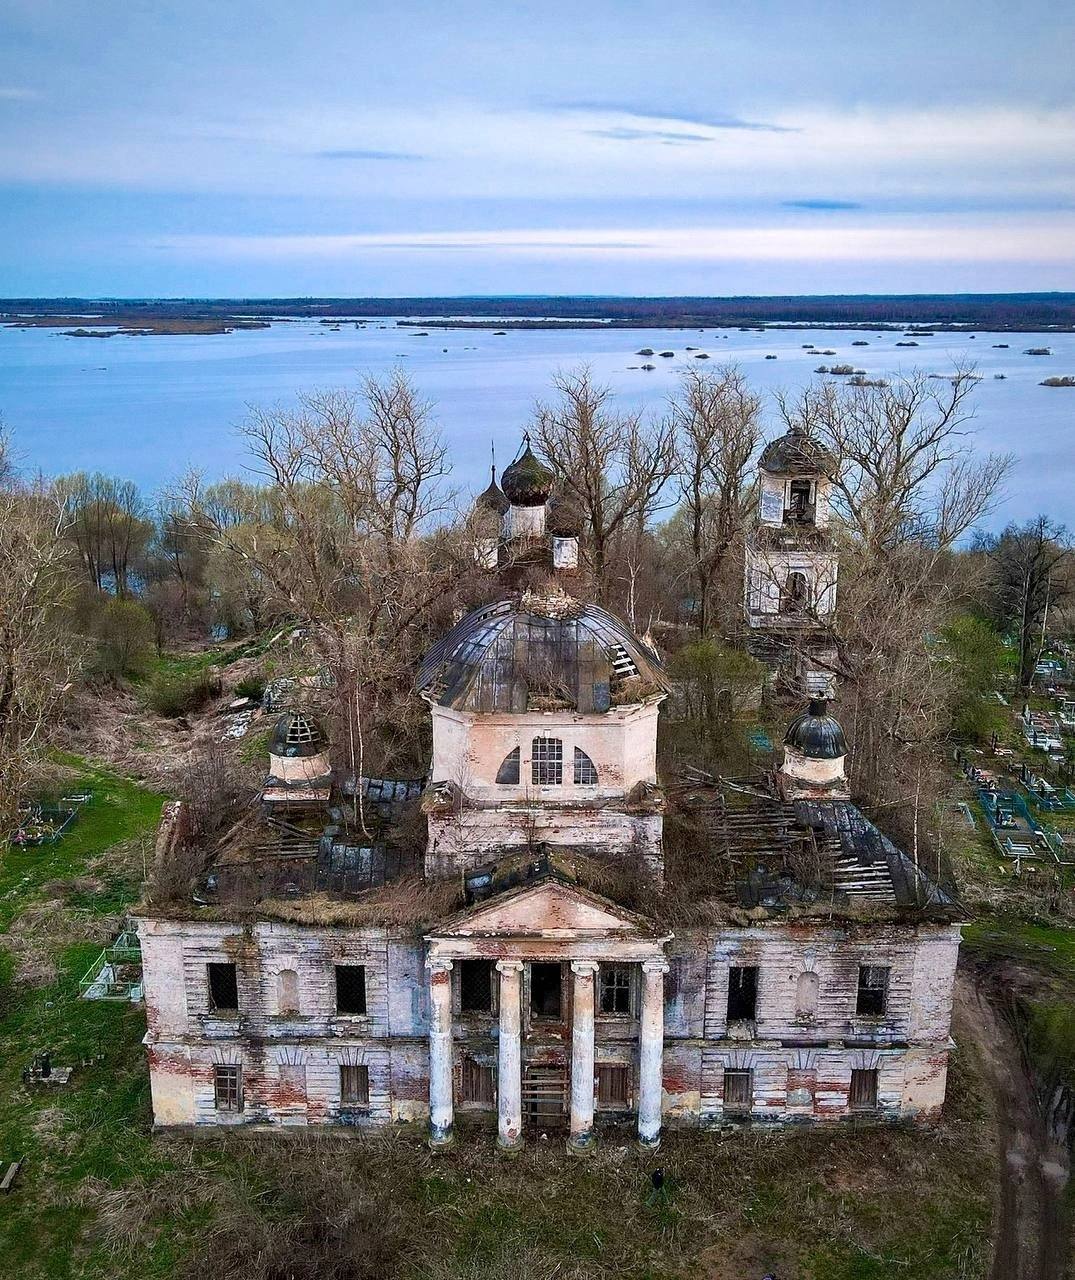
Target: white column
x=440 y=1052
x=509 y=1082
x=582 y=1055
x=651 y=1056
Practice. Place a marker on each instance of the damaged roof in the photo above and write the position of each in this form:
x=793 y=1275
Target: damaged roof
x=502 y=656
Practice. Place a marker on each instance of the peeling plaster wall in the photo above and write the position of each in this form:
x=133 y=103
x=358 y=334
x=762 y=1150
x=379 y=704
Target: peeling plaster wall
x=767 y=573
x=291 y=1062
x=468 y=749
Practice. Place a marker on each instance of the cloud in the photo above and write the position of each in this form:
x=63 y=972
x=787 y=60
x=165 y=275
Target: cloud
x=820 y=204
x=641 y=111
x=361 y=154
x=1036 y=240
x=667 y=136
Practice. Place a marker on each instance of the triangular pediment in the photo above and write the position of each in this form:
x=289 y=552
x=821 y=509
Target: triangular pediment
x=550 y=909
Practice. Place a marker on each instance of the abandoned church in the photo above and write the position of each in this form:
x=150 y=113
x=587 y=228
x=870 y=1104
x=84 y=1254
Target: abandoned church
x=575 y=943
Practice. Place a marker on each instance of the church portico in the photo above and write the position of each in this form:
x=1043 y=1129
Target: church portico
x=564 y=960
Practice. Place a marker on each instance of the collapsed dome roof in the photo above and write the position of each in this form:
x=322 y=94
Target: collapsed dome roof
x=796 y=453
x=492 y=499
x=565 y=517
x=551 y=650
x=297 y=734
x=527 y=482
x=815 y=734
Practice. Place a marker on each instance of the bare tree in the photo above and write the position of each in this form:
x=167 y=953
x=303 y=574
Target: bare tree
x=37 y=654
x=715 y=421
x=615 y=463
x=1028 y=580
x=908 y=488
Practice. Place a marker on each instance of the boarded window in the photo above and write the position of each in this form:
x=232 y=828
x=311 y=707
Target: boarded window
x=547 y=762
x=616 y=988
x=508 y=773
x=863 y=1095
x=738 y=1090
x=476 y=1083
x=354 y=1085
x=223 y=987
x=742 y=992
x=806 y=993
x=350 y=988
x=228 y=1087
x=585 y=770
x=613 y=1087
x=287 y=983
x=873 y=991
x=476 y=986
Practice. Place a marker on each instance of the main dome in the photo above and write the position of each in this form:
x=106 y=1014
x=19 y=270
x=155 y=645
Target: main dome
x=796 y=453
x=540 y=651
x=527 y=481
x=815 y=734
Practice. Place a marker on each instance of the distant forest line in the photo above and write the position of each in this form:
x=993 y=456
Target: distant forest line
x=996 y=311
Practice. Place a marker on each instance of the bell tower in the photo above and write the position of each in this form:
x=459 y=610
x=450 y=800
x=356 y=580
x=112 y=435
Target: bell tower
x=791 y=563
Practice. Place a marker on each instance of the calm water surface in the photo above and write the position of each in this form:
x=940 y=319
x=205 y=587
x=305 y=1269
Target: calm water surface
x=148 y=408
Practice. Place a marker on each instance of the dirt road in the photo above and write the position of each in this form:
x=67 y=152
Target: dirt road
x=1031 y=1241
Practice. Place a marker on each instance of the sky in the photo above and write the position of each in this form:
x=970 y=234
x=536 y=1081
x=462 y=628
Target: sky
x=339 y=147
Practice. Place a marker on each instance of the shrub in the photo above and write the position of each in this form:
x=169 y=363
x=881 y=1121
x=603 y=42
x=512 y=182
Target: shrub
x=178 y=694
x=251 y=686
x=124 y=632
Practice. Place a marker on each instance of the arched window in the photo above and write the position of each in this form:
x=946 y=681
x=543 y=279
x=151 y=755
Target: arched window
x=585 y=769
x=287 y=991
x=508 y=773
x=547 y=762
x=806 y=992
x=796 y=594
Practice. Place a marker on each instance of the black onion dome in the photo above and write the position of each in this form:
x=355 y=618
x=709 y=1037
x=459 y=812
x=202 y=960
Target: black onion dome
x=493 y=499
x=503 y=656
x=527 y=482
x=298 y=734
x=816 y=734
x=796 y=454
x=565 y=517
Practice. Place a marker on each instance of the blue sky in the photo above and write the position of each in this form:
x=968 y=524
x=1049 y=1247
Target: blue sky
x=343 y=147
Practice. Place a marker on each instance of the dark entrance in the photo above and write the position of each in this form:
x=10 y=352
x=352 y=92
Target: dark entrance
x=742 y=992
x=546 y=992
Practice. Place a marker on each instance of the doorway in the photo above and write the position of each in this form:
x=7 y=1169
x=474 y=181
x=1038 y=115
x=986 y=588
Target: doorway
x=544 y=1094
x=546 y=992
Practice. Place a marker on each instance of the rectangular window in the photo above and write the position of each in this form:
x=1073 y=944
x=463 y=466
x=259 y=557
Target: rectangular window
x=223 y=987
x=742 y=992
x=546 y=981
x=476 y=1083
x=476 y=986
x=354 y=1086
x=863 y=1095
x=873 y=991
x=738 y=1091
x=228 y=1088
x=547 y=762
x=613 y=1087
x=616 y=988
x=350 y=988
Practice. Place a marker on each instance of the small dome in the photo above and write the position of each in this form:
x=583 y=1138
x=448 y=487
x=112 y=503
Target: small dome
x=493 y=499
x=297 y=734
x=565 y=518
x=527 y=481
x=816 y=734
x=797 y=454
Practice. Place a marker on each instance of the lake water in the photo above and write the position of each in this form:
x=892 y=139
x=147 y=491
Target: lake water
x=148 y=408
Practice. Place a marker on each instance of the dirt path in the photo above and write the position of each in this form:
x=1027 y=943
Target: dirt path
x=1031 y=1241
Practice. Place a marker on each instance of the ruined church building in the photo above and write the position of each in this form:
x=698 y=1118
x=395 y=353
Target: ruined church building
x=606 y=951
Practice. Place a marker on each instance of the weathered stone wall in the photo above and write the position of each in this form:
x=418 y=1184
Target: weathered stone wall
x=801 y=1063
